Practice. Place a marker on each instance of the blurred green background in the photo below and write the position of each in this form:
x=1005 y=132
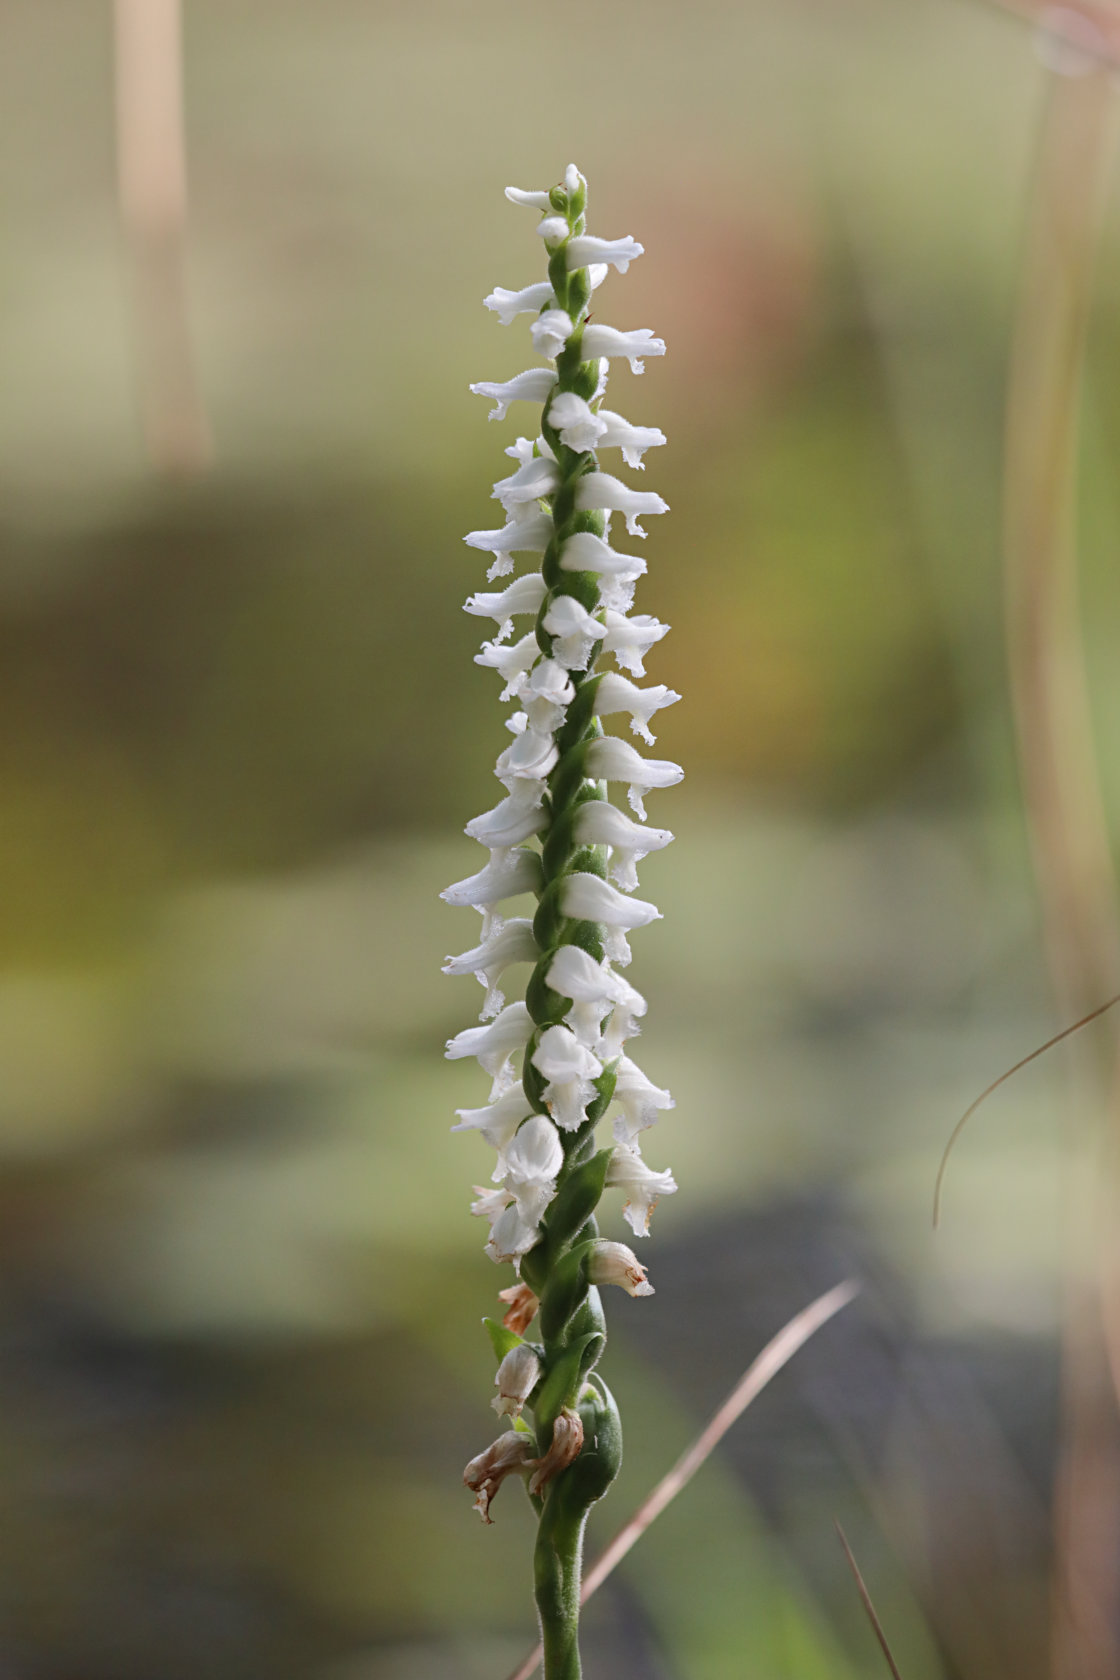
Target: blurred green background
x=240 y=732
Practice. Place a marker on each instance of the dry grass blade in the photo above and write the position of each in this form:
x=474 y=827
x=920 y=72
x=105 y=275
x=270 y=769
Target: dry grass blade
x=776 y=1354
x=872 y=1616
x=1085 y=1021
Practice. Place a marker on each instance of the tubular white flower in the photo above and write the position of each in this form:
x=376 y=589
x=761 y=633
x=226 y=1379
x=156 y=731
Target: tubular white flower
x=603 y=491
x=511 y=943
x=576 y=421
x=617 y=694
x=524 y=595
x=553 y=229
x=530 y=535
x=538 y=477
x=493 y=1045
x=639 y=1099
x=569 y=1068
x=613 y=760
x=527 y=301
x=516 y=1378
x=575 y=630
x=534 y=200
x=516 y=818
x=585 y=552
x=630 y=639
x=503 y=877
x=613 y=1262
x=609 y=341
x=550 y=332
x=497 y=1122
x=531 y=757
x=588 y=898
x=533 y=1159
x=633 y=441
x=531 y=386
x=510 y=662
x=598 y=823
x=586 y=248
x=594 y=990
x=511 y=1236
x=525 y=449
x=644 y=1187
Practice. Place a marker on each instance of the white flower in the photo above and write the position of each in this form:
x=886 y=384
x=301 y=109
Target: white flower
x=576 y=421
x=613 y=1262
x=602 y=490
x=532 y=754
x=585 y=552
x=550 y=332
x=553 y=229
x=523 y=595
x=525 y=302
x=514 y=1451
x=632 y=440
x=503 y=877
x=511 y=943
x=511 y=1235
x=617 y=694
x=538 y=477
x=530 y=535
x=498 y=1122
x=643 y=1187
x=613 y=760
x=598 y=823
x=569 y=1067
x=630 y=639
x=510 y=662
x=524 y=449
x=584 y=248
x=531 y=386
x=488 y=1204
x=493 y=1045
x=587 y=898
x=534 y=200
x=517 y=1376
x=609 y=341
x=512 y=820
x=575 y=630
x=533 y=1160
x=547 y=692
x=593 y=989
x=639 y=1098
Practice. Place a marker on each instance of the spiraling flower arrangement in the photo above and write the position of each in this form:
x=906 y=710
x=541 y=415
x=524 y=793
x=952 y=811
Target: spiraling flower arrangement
x=557 y=835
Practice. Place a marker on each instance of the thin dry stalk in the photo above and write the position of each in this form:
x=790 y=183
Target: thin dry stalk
x=152 y=179
x=1065 y=817
x=865 y=1596
x=777 y=1353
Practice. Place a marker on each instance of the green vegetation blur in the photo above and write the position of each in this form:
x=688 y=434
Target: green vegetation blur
x=241 y=731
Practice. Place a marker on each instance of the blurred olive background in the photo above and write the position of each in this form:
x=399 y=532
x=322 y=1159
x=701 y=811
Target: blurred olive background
x=240 y=732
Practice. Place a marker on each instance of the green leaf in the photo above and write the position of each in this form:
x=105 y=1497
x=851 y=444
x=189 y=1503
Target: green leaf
x=502 y=1338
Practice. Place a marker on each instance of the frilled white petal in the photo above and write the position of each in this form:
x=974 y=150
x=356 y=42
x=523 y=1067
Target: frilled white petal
x=530 y=535
x=575 y=630
x=576 y=421
x=633 y=345
x=586 y=248
x=510 y=662
x=549 y=681
x=494 y=1044
x=639 y=1099
x=644 y=1187
x=585 y=552
x=613 y=760
x=532 y=756
x=550 y=332
x=589 y=898
x=498 y=1122
x=618 y=694
x=630 y=639
x=525 y=449
x=511 y=1235
x=594 y=989
x=512 y=943
x=534 y=200
x=569 y=1067
x=531 y=386
x=538 y=477
x=515 y=872
x=602 y=490
x=507 y=305
x=632 y=440
x=514 y=819
x=598 y=823
x=533 y=1160
x=524 y=595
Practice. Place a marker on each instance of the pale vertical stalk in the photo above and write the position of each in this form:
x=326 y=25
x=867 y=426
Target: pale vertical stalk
x=152 y=180
x=1066 y=821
